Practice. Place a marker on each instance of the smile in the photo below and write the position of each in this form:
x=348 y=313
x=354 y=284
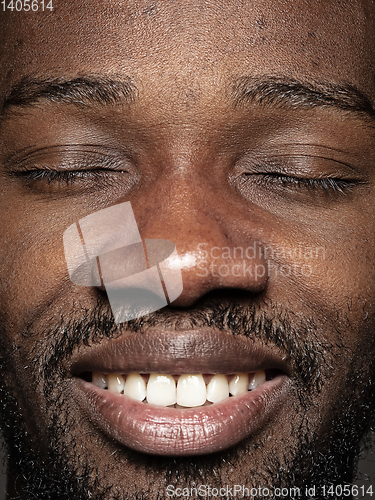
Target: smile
x=140 y=392
x=181 y=391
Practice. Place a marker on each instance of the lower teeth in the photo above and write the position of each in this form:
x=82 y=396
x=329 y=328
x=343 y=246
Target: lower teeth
x=183 y=391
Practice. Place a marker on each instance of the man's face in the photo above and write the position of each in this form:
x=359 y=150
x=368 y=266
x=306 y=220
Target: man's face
x=243 y=133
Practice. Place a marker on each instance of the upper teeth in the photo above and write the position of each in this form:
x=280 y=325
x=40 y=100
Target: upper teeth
x=190 y=390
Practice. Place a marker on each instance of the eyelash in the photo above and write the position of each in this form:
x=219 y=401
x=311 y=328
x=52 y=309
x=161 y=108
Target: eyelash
x=327 y=184
x=69 y=177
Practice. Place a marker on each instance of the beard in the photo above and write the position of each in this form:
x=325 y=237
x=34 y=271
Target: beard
x=69 y=471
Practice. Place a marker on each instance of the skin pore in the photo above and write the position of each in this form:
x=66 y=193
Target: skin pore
x=226 y=125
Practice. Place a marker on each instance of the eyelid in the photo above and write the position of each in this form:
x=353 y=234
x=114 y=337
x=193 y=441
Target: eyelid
x=69 y=157
x=295 y=165
x=326 y=184
x=40 y=174
x=74 y=183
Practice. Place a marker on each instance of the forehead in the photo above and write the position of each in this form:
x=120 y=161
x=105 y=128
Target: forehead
x=187 y=49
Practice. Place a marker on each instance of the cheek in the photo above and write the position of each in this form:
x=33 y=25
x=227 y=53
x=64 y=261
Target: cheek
x=32 y=264
x=345 y=278
x=24 y=408
x=325 y=269
x=33 y=270
x=29 y=274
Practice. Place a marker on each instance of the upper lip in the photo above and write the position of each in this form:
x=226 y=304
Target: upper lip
x=202 y=350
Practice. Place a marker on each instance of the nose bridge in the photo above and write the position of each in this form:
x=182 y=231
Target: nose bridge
x=173 y=200
x=213 y=250
x=183 y=206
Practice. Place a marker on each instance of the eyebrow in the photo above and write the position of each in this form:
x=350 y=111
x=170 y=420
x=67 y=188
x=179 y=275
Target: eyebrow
x=82 y=91
x=284 y=93
x=266 y=91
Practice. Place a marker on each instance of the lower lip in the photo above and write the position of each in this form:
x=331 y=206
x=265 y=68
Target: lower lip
x=158 y=430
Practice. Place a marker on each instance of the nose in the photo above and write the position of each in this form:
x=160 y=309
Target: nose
x=214 y=250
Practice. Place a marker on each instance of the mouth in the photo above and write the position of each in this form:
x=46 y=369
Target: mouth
x=181 y=393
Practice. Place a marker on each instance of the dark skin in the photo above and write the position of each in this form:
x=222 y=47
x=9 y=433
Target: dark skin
x=184 y=154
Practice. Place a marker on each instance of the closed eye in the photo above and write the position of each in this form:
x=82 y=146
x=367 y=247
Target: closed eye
x=60 y=176
x=325 y=184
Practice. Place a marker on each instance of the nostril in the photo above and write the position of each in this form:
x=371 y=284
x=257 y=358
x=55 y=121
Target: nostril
x=212 y=268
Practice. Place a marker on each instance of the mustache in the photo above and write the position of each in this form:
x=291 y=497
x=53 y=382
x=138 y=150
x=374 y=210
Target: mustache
x=301 y=340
